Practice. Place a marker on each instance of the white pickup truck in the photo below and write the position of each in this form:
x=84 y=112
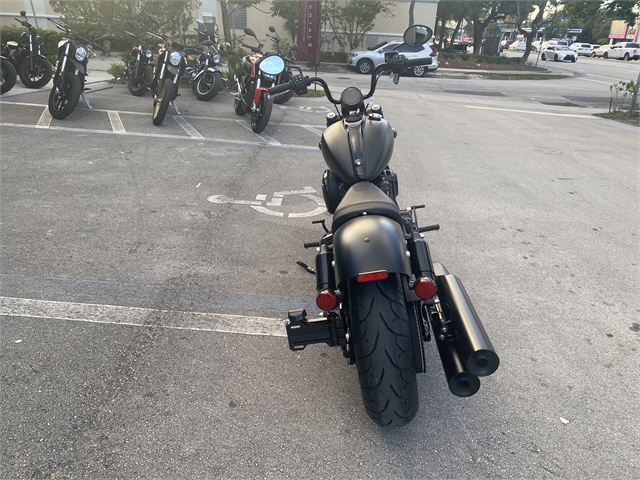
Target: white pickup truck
x=624 y=51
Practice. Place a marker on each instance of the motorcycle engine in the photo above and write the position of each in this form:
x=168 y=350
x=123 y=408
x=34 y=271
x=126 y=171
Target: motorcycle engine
x=332 y=190
x=387 y=181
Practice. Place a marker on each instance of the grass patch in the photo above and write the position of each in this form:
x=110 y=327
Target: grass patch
x=522 y=76
x=622 y=116
x=315 y=93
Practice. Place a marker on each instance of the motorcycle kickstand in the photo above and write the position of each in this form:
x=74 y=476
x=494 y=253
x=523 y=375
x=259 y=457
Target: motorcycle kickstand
x=175 y=107
x=86 y=100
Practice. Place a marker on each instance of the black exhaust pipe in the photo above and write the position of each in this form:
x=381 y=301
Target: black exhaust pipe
x=461 y=382
x=475 y=347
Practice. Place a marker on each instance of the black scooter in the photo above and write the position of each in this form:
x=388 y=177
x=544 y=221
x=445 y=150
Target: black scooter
x=380 y=292
x=35 y=71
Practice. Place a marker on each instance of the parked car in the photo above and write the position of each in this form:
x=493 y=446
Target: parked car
x=365 y=61
x=554 y=43
x=624 y=51
x=602 y=51
x=582 y=49
x=559 y=54
x=594 y=47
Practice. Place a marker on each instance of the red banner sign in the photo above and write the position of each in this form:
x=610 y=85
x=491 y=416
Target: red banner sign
x=308 y=33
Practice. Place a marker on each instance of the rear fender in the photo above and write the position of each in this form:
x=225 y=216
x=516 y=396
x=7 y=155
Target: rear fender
x=369 y=244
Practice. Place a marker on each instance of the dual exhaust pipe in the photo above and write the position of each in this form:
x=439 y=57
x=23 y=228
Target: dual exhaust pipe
x=464 y=347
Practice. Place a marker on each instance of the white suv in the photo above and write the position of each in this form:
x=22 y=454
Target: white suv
x=624 y=51
x=366 y=60
x=582 y=49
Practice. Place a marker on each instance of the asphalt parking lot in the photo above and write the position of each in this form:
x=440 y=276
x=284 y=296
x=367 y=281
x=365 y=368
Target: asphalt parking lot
x=146 y=272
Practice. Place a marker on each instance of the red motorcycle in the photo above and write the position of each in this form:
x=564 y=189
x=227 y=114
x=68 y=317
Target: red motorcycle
x=262 y=73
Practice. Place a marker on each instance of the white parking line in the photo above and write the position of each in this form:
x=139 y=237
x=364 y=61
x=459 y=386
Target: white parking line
x=141 y=317
x=265 y=137
x=116 y=122
x=312 y=130
x=45 y=119
x=532 y=112
x=187 y=127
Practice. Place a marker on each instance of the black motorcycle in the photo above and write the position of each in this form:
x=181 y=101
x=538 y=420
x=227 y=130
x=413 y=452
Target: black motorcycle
x=71 y=71
x=169 y=69
x=9 y=76
x=203 y=68
x=380 y=292
x=261 y=72
x=139 y=72
x=287 y=75
x=35 y=71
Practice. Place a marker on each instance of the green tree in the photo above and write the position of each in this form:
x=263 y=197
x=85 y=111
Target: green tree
x=352 y=21
x=483 y=13
x=289 y=10
x=95 y=17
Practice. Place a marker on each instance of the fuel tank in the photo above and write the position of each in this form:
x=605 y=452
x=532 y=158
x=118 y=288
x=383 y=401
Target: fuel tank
x=358 y=148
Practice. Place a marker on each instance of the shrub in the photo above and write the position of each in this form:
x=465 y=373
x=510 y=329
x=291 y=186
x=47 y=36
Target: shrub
x=116 y=70
x=50 y=39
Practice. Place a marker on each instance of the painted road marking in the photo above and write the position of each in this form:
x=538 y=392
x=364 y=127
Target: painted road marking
x=260 y=204
x=45 y=119
x=531 y=112
x=312 y=130
x=242 y=143
x=265 y=137
x=141 y=317
x=116 y=122
x=187 y=127
x=597 y=81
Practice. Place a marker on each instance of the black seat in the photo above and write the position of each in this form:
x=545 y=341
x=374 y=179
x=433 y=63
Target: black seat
x=365 y=197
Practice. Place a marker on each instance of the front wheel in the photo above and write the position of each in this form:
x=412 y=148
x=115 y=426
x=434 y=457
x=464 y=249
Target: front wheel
x=139 y=84
x=161 y=105
x=9 y=76
x=382 y=342
x=38 y=76
x=64 y=97
x=260 y=118
x=606 y=55
x=555 y=58
x=419 y=71
x=208 y=85
x=543 y=57
x=281 y=98
x=365 y=66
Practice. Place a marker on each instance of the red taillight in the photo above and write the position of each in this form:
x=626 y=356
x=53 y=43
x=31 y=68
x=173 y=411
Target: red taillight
x=425 y=288
x=372 y=276
x=327 y=300
x=433 y=54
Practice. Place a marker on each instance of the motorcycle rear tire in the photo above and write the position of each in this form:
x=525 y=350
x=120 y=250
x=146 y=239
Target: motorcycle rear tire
x=9 y=76
x=139 y=85
x=208 y=85
x=161 y=105
x=39 y=76
x=382 y=342
x=260 y=119
x=62 y=103
x=286 y=77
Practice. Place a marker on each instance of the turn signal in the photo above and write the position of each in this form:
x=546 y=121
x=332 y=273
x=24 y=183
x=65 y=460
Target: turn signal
x=372 y=276
x=425 y=288
x=327 y=300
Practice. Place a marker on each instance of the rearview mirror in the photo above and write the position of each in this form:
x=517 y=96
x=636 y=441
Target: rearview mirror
x=207 y=43
x=153 y=19
x=417 y=35
x=23 y=13
x=248 y=31
x=272 y=29
x=294 y=46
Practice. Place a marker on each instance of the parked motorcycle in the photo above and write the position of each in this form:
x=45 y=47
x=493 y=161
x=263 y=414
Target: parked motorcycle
x=380 y=292
x=169 y=69
x=262 y=72
x=35 y=71
x=9 y=75
x=287 y=75
x=203 y=68
x=71 y=71
x=139 y=72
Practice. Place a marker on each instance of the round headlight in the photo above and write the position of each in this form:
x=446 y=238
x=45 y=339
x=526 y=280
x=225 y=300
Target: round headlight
x=175 y=58
x=149 y=54
x=81 y=54
x=216 y=59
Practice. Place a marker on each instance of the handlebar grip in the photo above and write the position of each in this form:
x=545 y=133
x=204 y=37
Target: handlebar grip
x=430 y=228
x=418 y=62
x=311 y=244
x=280 y=88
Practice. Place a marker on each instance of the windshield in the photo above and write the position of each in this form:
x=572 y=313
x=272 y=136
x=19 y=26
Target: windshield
x=375 y=47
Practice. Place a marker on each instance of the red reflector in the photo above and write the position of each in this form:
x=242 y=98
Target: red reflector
x=327 y=300
x=433 y=54
x=372 y=276
x=425 y=288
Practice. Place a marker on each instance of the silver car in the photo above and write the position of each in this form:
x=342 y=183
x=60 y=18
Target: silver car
x=559 y=54
x=365 y=61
